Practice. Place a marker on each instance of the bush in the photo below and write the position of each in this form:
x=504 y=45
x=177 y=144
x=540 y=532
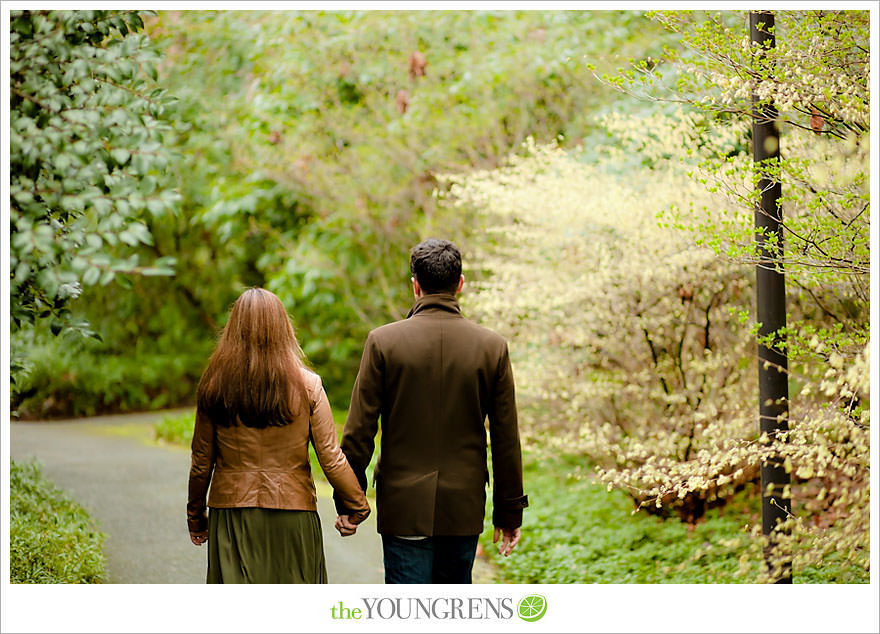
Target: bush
x=86 y=139
x=632 y=339
x=69 y=377
x=177 y=430
x=51 y=538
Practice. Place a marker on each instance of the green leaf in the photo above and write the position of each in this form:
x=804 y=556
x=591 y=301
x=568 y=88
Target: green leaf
x=141 y=233
x=155 y=206
x=102 y=205
x=157 y=271
x=128 y=237
x=91 y=276
x=120 y=155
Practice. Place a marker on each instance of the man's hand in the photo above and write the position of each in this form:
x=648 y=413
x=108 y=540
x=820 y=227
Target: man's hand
x=345 y=527
x=199 y=538
x=509 y=542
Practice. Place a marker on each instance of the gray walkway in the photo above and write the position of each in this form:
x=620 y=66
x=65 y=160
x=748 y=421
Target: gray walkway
x=136 y=490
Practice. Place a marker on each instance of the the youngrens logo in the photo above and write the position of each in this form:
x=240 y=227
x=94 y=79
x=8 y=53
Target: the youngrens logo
x=529 y=608
x=532 y=607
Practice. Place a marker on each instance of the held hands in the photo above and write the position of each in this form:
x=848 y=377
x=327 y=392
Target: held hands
x=199 y=538
x=508 y=542
x=344 y=526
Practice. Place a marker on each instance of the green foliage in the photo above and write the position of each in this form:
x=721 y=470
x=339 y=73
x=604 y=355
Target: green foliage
x=817 y=68
x=305 y=156
x=69 y=376
x=816 y=79
x=87 y=126
x=623 y=351
x=310 y=146
x=576 y=532
x=51 y=538
x=176 y=429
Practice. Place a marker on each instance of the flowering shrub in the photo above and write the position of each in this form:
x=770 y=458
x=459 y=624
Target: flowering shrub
x=622 y=281
x=625 y=346
x=623 y=286
x=817 y=78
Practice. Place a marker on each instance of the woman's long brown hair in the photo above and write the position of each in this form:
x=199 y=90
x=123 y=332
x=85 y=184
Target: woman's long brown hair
x=255 y=374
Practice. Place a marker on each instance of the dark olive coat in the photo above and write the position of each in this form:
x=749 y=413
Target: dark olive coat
x=434 y=379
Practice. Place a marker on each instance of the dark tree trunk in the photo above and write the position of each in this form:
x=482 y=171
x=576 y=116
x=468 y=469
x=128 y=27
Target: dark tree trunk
x=770 y=291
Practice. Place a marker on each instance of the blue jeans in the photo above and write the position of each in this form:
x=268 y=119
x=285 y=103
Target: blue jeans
x=439 y=559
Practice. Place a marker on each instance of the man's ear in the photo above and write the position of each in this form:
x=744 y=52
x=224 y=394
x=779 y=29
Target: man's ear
x=460 y=284
x=417 y=290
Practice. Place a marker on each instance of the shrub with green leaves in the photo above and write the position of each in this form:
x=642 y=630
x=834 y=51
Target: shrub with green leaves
x=309 y=158
x=71 y=376
x=86 y=138
x=52 y=539
x=630 y=325
x=305 y=158
x=176 y=429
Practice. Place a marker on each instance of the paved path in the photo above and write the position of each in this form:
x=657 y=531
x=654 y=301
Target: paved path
x=136 y=490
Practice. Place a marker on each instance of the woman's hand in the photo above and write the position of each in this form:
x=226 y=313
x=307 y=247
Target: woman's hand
x=199 y=538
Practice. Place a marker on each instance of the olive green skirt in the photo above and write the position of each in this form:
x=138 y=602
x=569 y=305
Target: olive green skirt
x=253 y=545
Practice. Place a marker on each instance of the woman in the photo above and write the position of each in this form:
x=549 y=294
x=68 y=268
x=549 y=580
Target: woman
x=258 y=408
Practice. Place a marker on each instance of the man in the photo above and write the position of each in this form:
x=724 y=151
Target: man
x=434 y=378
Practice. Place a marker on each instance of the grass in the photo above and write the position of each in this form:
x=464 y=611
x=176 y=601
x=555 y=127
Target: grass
x=577 y=532
x=51 y=538
x=176 y=429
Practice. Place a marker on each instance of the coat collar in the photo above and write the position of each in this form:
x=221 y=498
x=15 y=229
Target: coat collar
x=437 y=302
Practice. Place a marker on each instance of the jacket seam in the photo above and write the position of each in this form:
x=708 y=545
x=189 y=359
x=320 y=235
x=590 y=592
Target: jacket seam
x=260 y=470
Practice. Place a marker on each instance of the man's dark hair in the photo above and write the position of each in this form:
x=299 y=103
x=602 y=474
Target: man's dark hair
x=436 y=265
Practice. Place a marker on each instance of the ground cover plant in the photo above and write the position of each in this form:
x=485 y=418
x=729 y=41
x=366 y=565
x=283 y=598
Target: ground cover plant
x=52 y=539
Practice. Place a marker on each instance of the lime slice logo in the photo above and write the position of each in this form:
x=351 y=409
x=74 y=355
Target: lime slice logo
x=532 y=607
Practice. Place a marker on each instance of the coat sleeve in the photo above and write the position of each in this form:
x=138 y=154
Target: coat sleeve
x=204 y=451
x=359 y=435
x=508 y=498
x=322 y=431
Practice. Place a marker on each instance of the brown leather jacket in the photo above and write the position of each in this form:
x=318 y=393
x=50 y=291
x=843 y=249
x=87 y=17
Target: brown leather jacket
x=269 y=468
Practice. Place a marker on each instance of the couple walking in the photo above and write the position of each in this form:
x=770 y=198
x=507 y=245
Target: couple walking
x=433 y=379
